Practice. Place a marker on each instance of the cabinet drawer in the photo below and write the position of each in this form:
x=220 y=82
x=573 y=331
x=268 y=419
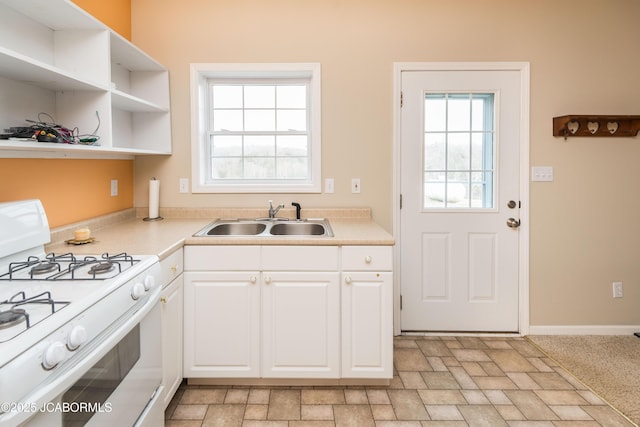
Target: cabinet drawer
x=298 y=258
x=171 y=267
x=229 y=258
x=378 y=258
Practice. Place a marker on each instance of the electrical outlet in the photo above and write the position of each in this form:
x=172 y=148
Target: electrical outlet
x=355 y=185
x=114 y=187
x=328 y=185
x=542 y=173
x=617 y=290
x=184 y=185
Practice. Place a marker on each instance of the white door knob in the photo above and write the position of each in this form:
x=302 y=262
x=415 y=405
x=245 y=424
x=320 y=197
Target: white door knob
x=347 y=280
x=267 y=279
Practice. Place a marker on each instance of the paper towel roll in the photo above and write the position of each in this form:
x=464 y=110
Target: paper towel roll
x=154 y=198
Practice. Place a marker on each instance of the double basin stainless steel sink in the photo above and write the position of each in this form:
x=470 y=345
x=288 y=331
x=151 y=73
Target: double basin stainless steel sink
x=265 y=227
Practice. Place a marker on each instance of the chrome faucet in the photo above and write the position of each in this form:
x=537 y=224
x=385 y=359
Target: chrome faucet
x=273 y=212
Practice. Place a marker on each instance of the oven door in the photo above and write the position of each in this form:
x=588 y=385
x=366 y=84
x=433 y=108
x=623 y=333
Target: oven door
x=117 y=383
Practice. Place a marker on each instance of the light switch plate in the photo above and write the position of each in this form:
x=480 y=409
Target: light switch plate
x=184 y=185
x=114 y=187
x=542 y=173
x=329 y=185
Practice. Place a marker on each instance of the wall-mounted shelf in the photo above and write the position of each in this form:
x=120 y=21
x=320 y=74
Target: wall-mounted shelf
x=57 y=59
x=595 y=125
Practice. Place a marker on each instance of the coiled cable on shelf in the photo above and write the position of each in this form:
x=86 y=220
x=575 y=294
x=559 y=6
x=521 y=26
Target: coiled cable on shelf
x=50 y=131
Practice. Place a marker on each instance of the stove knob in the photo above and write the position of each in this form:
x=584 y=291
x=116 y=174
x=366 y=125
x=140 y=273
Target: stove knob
x=137 y=291
x=53 y=355
x=77 y=337
x=149 y=282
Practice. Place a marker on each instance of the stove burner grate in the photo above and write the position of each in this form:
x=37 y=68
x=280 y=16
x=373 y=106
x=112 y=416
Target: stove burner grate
x=68 y=267
x=18 y=310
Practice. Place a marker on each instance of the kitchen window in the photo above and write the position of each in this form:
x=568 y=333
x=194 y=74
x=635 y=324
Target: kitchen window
x=256 y=128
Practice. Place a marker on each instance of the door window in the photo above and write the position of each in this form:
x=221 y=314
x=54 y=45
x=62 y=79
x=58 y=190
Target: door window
x=459 y=151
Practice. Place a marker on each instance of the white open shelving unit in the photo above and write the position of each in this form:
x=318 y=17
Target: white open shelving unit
x=57 y=59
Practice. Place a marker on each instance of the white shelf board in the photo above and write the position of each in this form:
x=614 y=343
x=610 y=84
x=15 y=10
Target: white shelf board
x=56 y=14
x=21 y=68
x=25 y=149
x=127 y=102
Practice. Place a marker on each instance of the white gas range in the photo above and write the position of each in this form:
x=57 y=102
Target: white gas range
x=79 y=335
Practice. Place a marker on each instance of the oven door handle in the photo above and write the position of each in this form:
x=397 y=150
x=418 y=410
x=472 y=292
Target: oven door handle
x=72 y=369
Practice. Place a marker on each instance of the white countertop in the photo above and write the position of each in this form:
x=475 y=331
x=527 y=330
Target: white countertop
x=163 y=237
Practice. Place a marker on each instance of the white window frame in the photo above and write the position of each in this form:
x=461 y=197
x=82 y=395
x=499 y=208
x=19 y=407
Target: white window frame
x=201 y=73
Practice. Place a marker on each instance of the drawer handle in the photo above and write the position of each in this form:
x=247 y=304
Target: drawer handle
x=267 y=279
x=253 y=279
x=367 y=259
x=173 y=268
x=347 y=280
x=163 y=300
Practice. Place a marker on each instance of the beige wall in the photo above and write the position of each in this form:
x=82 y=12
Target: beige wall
x=584 y=60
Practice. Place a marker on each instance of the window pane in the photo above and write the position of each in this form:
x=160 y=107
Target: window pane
x=259 y=96
x=226 y=168
x=459 y=113
x=291 y=96
x=226 y=145
x=292 y=120
x=259 y=167
x=435 y=113
x=259 y=120
x=458 y=151
x=477 y=152
x=435 y=151
x=229 y=120
x=481 y=187
x=227 y=96
x=292 y=145
x=292 y=168
x=482 y=112
x=259 y=145
x=434 y=188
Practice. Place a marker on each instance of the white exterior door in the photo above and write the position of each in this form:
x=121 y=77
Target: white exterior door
x=460 y=136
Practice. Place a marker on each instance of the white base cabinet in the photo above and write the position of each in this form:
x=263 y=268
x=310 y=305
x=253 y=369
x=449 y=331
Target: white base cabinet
x=300 y=325
x=172 y=305
x=367 y=311
x=221 y=324
x=292 y=312
x=367 y=325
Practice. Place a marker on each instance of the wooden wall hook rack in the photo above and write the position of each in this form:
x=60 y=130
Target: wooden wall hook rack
x=595 y=125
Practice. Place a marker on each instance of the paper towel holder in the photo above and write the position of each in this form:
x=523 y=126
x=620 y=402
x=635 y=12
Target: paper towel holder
x=158 y=217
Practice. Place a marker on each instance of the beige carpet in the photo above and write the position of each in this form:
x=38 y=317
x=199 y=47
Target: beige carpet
x=608 y=364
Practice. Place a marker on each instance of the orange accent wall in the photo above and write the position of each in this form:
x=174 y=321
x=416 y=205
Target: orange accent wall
x=71 y=190
x=114 y=13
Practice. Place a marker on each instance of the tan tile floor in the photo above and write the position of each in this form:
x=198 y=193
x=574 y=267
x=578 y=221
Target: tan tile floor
x=443 y=381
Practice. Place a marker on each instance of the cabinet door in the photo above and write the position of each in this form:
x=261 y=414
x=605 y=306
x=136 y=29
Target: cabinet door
x=367 y=325
x=221 y=324
x=301 y=325
x=172 y=308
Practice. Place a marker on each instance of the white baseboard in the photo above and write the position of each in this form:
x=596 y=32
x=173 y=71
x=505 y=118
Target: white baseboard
x=583 y=329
